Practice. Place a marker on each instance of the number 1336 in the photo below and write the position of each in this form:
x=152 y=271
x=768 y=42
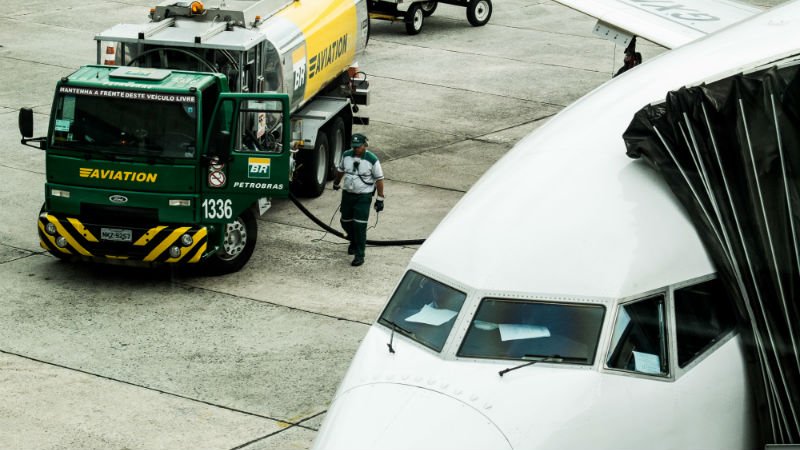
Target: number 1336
x=217 y=208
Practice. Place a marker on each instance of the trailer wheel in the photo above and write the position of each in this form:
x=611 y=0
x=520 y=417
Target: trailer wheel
x=429 y=7
x=479 y=12
x=336 y=138
x=238 y=242
x=414 y=18
x=312 y=172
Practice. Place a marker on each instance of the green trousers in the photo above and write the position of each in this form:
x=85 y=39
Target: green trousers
x=355 y=215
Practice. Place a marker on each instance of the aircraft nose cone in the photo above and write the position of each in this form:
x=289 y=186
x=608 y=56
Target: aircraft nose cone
x=387 y=416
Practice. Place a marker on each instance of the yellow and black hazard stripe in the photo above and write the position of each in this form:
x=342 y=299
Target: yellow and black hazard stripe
x=69 y=236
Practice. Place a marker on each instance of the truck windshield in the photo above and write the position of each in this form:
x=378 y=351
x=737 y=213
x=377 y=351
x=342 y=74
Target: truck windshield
x=423 y=309
x=516 y=329
x=125 y=122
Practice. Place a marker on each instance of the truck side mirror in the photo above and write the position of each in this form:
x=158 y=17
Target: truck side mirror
x=26 y=122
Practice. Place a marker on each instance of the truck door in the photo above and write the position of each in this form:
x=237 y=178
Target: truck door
x=246 y=155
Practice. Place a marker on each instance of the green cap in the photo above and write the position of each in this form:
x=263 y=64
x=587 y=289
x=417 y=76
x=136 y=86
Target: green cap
x=359 y=140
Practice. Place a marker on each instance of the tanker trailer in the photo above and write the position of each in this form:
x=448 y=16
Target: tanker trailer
x=305 y=49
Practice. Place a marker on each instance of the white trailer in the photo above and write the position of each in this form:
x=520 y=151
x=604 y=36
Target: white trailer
x=413 y=13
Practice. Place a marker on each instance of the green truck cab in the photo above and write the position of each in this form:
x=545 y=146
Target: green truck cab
x=159 y=166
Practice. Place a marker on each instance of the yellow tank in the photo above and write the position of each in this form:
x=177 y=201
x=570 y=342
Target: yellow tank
x=297 y=47
x=332 y=35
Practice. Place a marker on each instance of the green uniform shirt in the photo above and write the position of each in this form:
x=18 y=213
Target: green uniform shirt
x=360 y=173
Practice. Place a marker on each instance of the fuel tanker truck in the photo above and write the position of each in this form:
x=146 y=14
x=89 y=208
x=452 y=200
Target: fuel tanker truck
x=170 y=147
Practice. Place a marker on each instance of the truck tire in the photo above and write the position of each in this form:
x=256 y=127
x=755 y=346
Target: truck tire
x=414 y=19
x=429 y=7
x=312 y=172
x=337 y=139
x=238 y=243
x=479 y=12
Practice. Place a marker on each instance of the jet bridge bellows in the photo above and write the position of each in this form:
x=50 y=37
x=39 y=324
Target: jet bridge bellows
x=730 y=151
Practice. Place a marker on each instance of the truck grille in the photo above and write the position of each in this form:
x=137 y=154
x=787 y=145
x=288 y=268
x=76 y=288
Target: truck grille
x=118 y=215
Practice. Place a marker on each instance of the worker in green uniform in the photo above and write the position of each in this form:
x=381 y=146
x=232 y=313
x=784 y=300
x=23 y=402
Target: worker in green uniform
x=362 y=175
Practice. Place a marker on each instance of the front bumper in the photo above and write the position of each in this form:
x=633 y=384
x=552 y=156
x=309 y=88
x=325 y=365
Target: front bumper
x=147 y=244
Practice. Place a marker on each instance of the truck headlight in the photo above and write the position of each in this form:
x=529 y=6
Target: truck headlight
x=180 y=202
x=59 y=193
x=50 y=228
x=61 y=241
x=186 y=240
x=174 y=251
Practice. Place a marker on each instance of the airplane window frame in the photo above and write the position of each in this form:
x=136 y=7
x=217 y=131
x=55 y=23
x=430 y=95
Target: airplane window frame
x=718 y=339
x=666 y=346
x=472 y=326
x=414 y=331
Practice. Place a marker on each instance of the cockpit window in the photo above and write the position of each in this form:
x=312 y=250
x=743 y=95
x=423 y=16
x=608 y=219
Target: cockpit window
x=704 y=313
x=639 y=342
x=516 y=329
x=423 y=309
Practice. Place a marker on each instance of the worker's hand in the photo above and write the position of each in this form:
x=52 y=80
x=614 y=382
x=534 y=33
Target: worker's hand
x=336 y=186
x=379 y=204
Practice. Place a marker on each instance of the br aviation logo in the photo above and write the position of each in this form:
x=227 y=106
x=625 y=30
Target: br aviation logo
x=119 y=175
x=326 y=56
x=258 y=167
x=299 y=68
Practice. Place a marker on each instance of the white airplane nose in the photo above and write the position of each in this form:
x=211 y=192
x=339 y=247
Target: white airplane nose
x=387 y=416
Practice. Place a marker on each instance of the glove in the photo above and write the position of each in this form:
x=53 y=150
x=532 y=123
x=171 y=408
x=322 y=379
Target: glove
x=379 y=204
x=336 y=187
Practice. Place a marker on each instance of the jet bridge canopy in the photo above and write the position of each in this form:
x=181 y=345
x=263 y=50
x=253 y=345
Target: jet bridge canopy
x=730 y=151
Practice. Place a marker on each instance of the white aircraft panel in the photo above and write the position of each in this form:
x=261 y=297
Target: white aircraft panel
x=670 y=23
x=412 y=399
x=566 y=212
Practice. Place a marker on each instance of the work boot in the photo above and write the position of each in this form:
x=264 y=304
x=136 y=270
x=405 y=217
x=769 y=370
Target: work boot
x=357 y=261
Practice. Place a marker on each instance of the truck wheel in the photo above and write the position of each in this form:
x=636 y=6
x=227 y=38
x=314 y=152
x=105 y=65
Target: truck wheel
x=336 y=138
x=312 y=173
x=414 y=18
x=238 y=243
x=429 y=7
x=479 y=12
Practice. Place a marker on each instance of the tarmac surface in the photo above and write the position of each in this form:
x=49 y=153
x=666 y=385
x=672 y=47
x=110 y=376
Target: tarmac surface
x=108 y=357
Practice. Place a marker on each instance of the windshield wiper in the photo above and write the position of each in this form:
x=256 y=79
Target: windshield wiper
x=540 y=358
x=154 y=149
x=111 y=151
x=89 y=149
x=395 y=327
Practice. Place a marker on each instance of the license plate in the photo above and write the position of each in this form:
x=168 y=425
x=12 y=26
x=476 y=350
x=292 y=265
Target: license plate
x=116 y=234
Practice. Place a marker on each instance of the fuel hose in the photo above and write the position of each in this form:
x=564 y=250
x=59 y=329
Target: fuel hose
x=336 y=232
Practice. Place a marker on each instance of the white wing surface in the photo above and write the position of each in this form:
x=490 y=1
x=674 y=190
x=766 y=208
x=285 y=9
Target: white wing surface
x=670 y=23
